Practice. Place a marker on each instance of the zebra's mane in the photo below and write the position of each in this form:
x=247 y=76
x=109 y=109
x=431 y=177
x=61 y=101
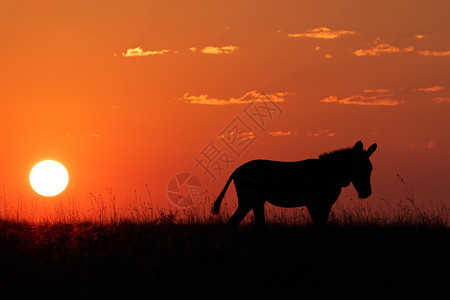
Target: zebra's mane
x=340 y=154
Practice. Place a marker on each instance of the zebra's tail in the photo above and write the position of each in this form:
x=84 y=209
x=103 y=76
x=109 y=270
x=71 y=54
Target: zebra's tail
x=216 y=206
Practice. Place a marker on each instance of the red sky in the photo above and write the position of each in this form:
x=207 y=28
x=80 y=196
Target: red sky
x=128 y=93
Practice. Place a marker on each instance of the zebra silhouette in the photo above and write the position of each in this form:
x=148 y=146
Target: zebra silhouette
x=314 y=183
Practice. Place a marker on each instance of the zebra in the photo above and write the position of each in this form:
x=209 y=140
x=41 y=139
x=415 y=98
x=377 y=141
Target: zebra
x=314 y=183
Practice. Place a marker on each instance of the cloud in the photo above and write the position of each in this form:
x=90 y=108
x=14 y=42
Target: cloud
x=241 y=134
x=377 y=49
x=321 y=33
x=97 y=135
x=252 y=96
x=321 y=132
x=139 y=52
x=430 y=145
x=430 y=89
x=282 y=133
x=433 y=53
x=442 y=99
x=377 y=90
x=217 y=50
x=377 y=100
x=419 y=36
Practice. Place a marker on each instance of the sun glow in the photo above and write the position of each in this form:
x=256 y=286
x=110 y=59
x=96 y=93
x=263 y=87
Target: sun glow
x=49 y=178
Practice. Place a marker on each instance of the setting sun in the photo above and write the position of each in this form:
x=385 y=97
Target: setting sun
x=49 y=178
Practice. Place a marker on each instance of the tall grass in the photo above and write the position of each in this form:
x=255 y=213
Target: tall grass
x=104 y=209
x=379 y=211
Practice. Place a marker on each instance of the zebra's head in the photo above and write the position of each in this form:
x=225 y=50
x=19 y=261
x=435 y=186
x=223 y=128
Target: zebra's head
x=362 y=169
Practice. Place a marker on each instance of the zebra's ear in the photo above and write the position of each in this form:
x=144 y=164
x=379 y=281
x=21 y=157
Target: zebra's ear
x=372 y=149
x=358 y=146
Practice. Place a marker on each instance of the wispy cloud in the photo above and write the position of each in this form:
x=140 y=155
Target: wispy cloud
x=283 y=133
x=321 y=132
x=90 y=134
x=430 y=145
x=377 y=90
x=321 y=33
x=442 y=99
x=138 y=51
x=96 y=135
x=237 y=134
x=430 y=89
x=216 y=50
x=377 y=49
x=376 y=100
x=433 y=53
x=252 y=96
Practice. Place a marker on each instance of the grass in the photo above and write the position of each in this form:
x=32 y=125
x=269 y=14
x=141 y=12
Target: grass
x=168 y=260
x=104 y=209
x=371 y=249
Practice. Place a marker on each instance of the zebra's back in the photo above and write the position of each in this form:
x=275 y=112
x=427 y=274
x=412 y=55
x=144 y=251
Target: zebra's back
x=286 y=184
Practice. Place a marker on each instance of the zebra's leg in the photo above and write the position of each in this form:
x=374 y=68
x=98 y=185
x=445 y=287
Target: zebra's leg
x=238 y=215
x=258 y=212
x=319 y=214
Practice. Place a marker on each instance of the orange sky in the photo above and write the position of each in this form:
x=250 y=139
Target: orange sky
x=127 y=93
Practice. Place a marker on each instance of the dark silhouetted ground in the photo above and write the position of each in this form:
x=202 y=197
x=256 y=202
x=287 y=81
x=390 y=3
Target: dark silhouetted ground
x=88 y=261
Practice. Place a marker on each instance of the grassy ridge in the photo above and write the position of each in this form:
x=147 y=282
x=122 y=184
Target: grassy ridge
x=164 y=259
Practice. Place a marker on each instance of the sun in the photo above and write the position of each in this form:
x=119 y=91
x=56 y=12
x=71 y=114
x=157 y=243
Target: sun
x=49 y=178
